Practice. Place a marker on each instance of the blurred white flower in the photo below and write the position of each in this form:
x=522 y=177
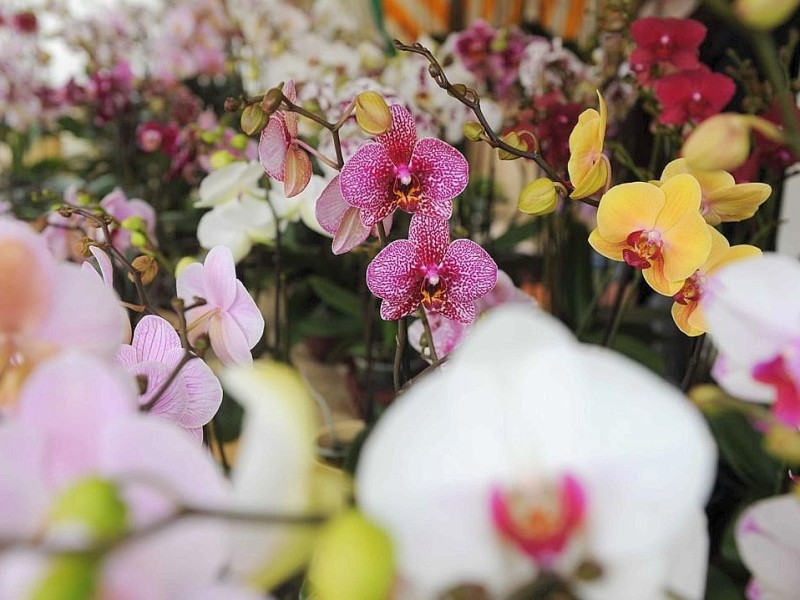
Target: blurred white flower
x=236 y=180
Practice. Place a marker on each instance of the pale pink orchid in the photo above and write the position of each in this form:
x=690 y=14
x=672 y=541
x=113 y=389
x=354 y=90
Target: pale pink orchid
x=428 y=270
x=195 y=394
x=119 y=206
x=72 y=431
x=757 y=331
x=279 y=152
x=343 y=221
x=768 y=540
x=229 y=316
x=106 y=274
x=399 y=171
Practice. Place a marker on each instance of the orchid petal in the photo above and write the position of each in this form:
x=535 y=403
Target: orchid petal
x=393 y=310
x=627 y=208
x=228 y=340
x=463 y=311
x=247 y=315
x=219 y=276
x=154 y=337
x=190 y=283
x=399 y=140
x=442 y=170
x=470 y=270
x=394 y=273
x=104 y=264
x=203 y=394
x=331 y=207
x=297 y=171
x=681 y=197
x=686 y=246
x=431 y=236
x=365 y=178
x=350 y=233
x=273 y=146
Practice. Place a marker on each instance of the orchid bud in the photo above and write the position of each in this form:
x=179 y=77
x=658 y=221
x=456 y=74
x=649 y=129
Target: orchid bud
x=473 y=131
x=67 y=576
x=253 y=119
x=538 y=198
x=515 y=140
x=353 y=560
x=372 y=113
x=81 y=247
x=764 y=14
x=272 y=100
x=134 y=223
x=93 y=504
x=721 y=142
x=783 y=443
x=239 y=141
x=209 y=137
x=146 y=266
x=459 y=89
x=221 y=158
x=138 y=239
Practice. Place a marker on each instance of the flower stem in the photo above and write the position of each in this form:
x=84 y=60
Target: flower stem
x=628 y=285
x=428 y=334
x=400 y=350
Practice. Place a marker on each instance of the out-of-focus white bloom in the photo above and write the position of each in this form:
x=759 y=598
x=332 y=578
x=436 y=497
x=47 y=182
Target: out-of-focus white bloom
x=533 y=452
x=236 y=180
x=547 y=65
x=237 y=224
x=301 y=206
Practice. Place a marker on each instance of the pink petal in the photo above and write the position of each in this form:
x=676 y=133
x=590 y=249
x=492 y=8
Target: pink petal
x=153 y=338
x=172 y=403
x=297 y=171
x=400 y=139
x=196 y=433
x=190 y=283
x=442 y=170
x=351 y=232
x=203 y=394
x=273 y=145
x=471 y=272
x=431 y=236
x=391 y=311
x=331 y=206
x=372 y=215
x=228 y=341
x=219 y=276
x=365 y=178
x=23 y=494
x=247 y=315
x=394 y=274
x=461 y=311
x=104 y=263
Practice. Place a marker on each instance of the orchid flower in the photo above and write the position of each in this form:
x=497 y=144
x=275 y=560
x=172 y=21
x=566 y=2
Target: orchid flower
x=693 y=95
x=768 y=540
x=399 y=171
x=278 y=150
x=752 y=308
x=534 y=454
x=722 y=199
x=687 y=311
x=119 y=206
x=657 y=230
x=588 y=168
x=229 y=316
x=237 y=225
x=194 y=396
x=428 y=270
x=236 y=180
x=341 y=220
x=664 y=46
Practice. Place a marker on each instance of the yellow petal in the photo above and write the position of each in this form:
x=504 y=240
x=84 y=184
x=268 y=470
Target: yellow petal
x=586 y=149
x=594 y=180
x=734 y=253
x=627 y=208
x=719 y=142
x=654 y=276
x=686 y=246
x=612 y=250
x=683 y=315
x=681 y=197
x=735 y=203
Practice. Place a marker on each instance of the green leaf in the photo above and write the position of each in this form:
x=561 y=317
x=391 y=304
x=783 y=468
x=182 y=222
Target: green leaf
x=720 y=587
x=336 y=296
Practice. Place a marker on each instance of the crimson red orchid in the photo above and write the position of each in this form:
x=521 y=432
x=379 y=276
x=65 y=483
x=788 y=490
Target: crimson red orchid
x=665 y=46
x=427 y=269
x=399 y=171
x=279 y=152
x=693 y=95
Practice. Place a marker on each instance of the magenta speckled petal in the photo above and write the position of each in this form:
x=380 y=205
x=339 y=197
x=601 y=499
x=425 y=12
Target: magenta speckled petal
x=400 y=139
x=440 y=210
x=366 y=177
x=463 y=312
x=371 y=215
x=431 y=236
x=391 y=311
x=331 y=207
x=470 y=271
x=351 y=232
x=394 y=273
x=443 y=172
x=273 y=145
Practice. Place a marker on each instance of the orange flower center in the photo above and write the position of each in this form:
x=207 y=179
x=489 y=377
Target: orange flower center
x=407 y=192
x=433 y=291
x=644 y=247
x=692 y=290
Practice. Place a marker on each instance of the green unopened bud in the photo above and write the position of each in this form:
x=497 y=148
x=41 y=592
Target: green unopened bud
x=473 y=131
x=94 y=504
x=353 y=560
x=134 y=223
x=183 y=263
x=253 y=119
x=209 y=137
x=138 y=239
x=764 y=14
x=458 y=89
x=239 y=141
x=783 y=443
x=221 y=158
x=146 y=266
x=272 y=100
x=83 y=199
x=539 y=197
x=68 y=577
x=372 y=113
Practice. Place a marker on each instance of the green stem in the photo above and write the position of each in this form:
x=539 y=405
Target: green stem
x=628 y=286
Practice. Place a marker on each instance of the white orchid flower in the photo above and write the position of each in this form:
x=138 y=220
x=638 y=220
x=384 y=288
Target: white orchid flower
x=302 y=206
x=237 y=224
x=533 y=455
x=236 y=180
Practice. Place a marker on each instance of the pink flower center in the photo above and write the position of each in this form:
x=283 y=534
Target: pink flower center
x=542 y=520
x=781 y=372
x=665 y=47
x=644 y=248
x=692 y=290
x=433 y=290
x=406 y=189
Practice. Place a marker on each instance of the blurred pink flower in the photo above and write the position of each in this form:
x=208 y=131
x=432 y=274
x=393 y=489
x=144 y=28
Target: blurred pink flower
x=230 y=316
x=193 y=397
x=119 y=206
x=693 y=95
x=399 y=171
x=427 y=269
x=665 y=46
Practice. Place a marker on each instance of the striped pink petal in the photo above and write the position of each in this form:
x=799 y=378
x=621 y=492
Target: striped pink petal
x=365 y=178
x=219 y=276
x=431 y=236
x=442 y=170
x=400 y=139
x=331 y=206
x=470 y=271
x=153 y=338
x=394 y=274
x=273 y=145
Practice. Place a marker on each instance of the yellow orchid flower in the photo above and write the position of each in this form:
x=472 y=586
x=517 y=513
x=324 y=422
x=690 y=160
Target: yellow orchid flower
x=588 y=167
x=687 y=312
x=723 y=200
x=657 y=229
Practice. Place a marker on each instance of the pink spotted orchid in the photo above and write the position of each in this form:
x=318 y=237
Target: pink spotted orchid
x=399 y=171
x=229 y=316
x=757 y=331
x=279 y=152
x=195 y=394
x=428 y=270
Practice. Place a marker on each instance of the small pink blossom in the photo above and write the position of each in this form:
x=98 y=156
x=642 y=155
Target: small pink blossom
x=119 y=206
x=279 y=152
x=399 y=171
x=195 y=394
x=230 y=317
x=428 y=270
